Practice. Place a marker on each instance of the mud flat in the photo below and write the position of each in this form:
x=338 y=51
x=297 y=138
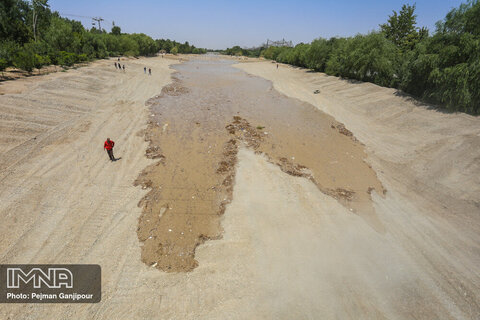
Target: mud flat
x=197 y=125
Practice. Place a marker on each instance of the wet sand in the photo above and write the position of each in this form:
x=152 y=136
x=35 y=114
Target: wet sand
x=196 y=127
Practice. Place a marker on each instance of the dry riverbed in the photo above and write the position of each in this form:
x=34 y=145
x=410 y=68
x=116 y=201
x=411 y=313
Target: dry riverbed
x=240 y=194
x=197 y=125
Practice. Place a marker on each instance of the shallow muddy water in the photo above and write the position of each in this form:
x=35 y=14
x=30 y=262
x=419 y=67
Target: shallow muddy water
x=196 y=127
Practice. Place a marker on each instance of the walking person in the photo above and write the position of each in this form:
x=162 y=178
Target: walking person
x=145 y=70
x=115 y=65
x=149 y=71
x=123 y=68
x=108 y=145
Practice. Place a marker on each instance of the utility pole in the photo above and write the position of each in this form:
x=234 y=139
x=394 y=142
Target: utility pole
x=94 y=19
x=98 y=19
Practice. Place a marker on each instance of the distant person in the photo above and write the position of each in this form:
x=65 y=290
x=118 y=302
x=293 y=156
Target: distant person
x=149 y=71
x=115 y=65
x=123 y=68
x=277 y=65
x=118 y=59
x=145 y=70
x=108 y=145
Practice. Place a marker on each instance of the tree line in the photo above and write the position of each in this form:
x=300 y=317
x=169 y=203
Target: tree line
x=443 y=68
x=174 y=47
x=31 y=36
x=237 y=51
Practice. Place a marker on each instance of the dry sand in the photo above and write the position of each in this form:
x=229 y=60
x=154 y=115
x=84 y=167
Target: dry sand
x=288 y=250
x=429 y=162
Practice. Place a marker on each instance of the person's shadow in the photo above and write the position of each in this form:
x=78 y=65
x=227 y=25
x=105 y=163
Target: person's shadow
x=116 y=159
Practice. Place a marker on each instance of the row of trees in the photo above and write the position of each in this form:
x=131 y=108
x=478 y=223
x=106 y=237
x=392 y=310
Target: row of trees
x=237 y=51
x=31 y=35
x=169 y=46
x=443 y=68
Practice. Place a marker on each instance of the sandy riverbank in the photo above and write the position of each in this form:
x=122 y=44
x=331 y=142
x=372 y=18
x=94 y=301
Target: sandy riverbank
x=429 y=163
x=61 y=200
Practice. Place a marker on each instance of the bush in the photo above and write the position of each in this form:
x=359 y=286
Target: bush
x=3 y=64
x=25 y=59
x=8 y=51
x=82 y=57
x=41 y=61
x=67 y=59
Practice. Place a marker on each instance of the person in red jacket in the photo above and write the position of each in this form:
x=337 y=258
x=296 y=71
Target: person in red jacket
x=108 y=145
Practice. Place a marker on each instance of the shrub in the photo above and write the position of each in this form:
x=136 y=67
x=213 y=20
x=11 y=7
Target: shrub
x=3 y=64
x=25 y=59
x=67 y=59
x=41 y=61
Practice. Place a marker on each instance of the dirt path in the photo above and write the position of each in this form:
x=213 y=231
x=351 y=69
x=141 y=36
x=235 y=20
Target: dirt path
x=288 y=249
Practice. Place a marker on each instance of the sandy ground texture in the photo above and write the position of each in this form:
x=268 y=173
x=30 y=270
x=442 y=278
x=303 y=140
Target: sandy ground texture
x=288 y=250
x=429 y=162
x=15 y=74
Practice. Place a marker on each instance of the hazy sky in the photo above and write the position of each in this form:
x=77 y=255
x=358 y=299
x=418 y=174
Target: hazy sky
x=221 y=24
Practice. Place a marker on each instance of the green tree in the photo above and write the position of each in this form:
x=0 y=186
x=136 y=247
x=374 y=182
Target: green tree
x=465 y=18
x=116 y=30
x=401 y=27
x=273 y=52
x=319 y=53
x=367 y=58
x=13 y=14
x=8 y=50
x=168 y=46
x=59 y=35
x=146 y=45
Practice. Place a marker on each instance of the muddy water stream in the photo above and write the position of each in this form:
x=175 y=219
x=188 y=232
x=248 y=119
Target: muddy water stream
x=196 y=127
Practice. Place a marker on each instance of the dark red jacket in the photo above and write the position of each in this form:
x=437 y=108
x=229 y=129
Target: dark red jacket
x=108 y=145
